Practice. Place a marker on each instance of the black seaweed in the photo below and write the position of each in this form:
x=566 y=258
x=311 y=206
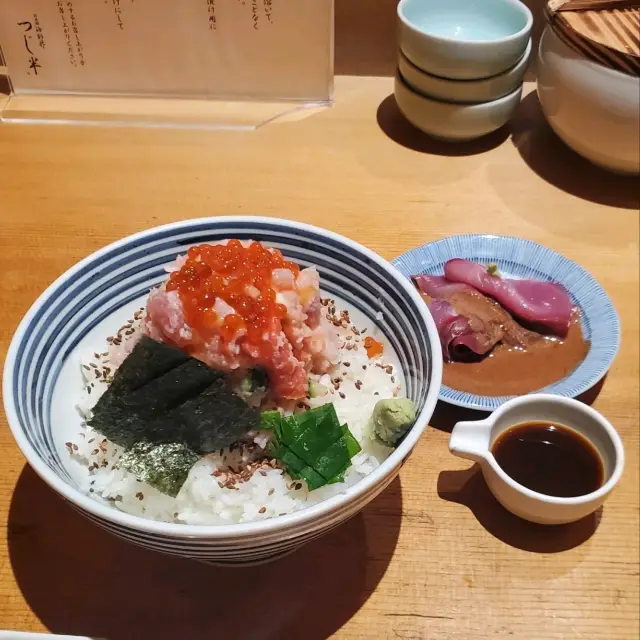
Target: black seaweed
x=163 y=466
x=162 y=395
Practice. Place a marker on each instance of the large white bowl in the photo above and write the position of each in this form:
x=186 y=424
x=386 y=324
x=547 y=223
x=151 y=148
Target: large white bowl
x=453 y=121
x=467 y=91
x=95 y=289
x=463 y=39
x=594 y=109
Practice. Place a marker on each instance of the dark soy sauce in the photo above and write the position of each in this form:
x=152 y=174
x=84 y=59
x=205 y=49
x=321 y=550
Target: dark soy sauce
x=550 y=459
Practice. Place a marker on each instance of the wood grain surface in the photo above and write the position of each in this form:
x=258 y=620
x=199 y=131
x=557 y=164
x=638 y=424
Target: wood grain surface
x=435 y=556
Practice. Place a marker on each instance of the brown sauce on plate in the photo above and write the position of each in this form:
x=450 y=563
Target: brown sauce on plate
x=512 y=370
x=549 y=458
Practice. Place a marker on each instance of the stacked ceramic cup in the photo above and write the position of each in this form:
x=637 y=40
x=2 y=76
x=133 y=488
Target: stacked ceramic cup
x=461 y=64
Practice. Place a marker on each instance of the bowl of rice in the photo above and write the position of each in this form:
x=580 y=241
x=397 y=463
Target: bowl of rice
x=225 y=389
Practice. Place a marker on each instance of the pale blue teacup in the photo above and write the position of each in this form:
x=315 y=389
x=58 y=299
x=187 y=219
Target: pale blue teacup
x=463 y=39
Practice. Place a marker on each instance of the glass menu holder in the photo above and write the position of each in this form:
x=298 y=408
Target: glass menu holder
x=192 y=63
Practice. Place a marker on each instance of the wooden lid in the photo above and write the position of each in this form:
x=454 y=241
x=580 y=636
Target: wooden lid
x=606 y=31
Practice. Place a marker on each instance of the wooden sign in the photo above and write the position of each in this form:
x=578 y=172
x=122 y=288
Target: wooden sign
x=227 y=49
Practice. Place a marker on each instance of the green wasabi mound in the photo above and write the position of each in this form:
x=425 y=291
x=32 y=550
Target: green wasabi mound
x=392 y=418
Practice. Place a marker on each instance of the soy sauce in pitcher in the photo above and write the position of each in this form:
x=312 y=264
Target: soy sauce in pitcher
x=550 y=459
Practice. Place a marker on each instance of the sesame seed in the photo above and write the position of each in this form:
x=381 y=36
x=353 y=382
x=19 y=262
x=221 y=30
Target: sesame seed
x=84 y=366
x=263 y=510
x=298 y=486
x=342 y=395
x=271 y=491
x=346 y=364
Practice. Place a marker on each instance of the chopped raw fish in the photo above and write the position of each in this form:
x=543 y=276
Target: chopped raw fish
x=438 y=286
x=455 y=330
x=467 y=320
x=545 y=304
x=242 y=306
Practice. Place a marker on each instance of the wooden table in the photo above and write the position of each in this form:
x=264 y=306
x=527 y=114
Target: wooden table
x=434 y=557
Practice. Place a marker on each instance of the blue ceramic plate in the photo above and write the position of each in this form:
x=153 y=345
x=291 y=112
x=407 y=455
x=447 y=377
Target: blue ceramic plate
x=518 y=258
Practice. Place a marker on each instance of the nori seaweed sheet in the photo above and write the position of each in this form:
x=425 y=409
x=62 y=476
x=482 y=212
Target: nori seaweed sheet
x=162 y=395
x=163 y=466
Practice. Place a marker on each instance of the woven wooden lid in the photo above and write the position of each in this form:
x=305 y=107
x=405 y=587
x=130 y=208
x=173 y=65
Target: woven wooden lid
x=606 y=31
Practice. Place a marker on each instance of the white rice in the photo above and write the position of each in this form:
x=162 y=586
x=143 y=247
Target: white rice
x=270 y=492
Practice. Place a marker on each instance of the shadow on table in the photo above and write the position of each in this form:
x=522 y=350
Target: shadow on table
x=79 y=579
x=591 y=395
x=469 y=488
x=558 y=165
x=395 y=126
x=446 y=416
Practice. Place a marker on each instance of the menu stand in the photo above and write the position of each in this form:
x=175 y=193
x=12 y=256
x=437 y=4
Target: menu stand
x=234 y=64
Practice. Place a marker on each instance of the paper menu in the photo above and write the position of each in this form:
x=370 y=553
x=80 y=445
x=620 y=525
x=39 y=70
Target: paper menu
x=227 y=49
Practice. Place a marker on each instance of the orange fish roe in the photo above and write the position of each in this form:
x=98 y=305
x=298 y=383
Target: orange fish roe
x=241 y=277
x=373 y=347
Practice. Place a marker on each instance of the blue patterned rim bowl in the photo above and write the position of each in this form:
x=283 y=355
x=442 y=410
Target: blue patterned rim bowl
x=121 y=274
x=519 y=258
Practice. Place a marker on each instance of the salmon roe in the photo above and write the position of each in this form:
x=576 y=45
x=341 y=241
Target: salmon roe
x=373 y=347
x=241 y=277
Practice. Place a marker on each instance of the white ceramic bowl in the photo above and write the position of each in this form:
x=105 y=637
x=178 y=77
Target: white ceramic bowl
x=473 y=440
x=91 y=294
x=463 y=39
x=594 y=109
x=464 y=91
x=452 y=121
